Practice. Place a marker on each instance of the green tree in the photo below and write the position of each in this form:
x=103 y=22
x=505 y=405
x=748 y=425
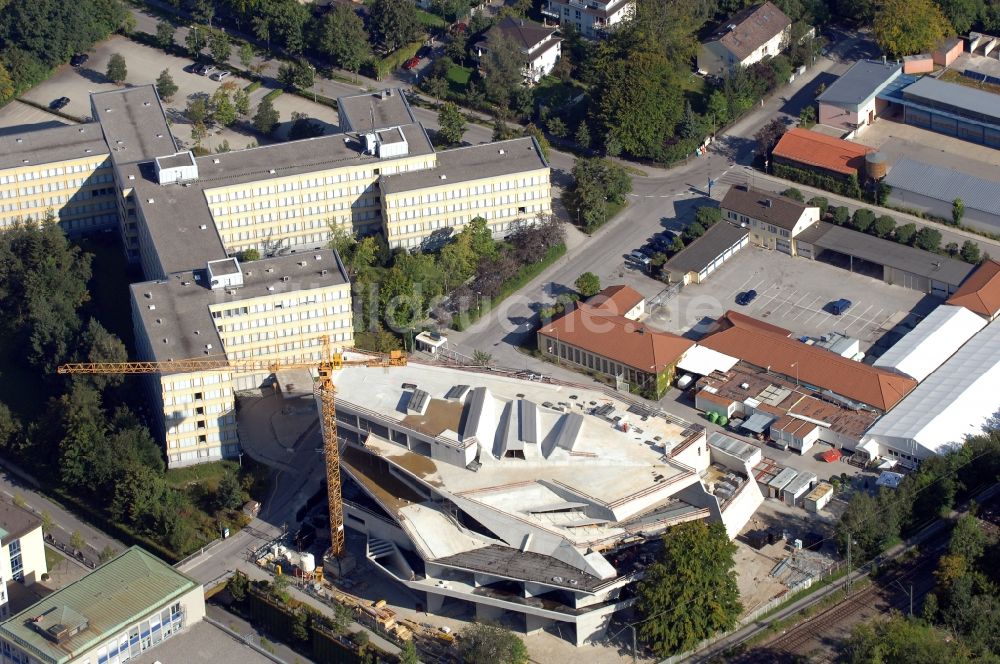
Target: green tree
x=452 y=124
x=165 y=34
x=343 y=39
x=588 y=284
x=862 y=219
x=409 y=655
x=246 y=54
x=300 y=625
x=480 y=238
x=543 y=143
x=165 y=86
x=819 y=201
x=241 y=102
x=768 y=136
x=117 y=71
x=266 y=119
x=970 y=252
x=905 y=27
x=77 y=541
x=481 y=358
x=905 y=233
x=47 y=523
x=841 y=215
x=107 y=553
x=43 y=284
x=884 y=226
x=237 y=586
x=249 y=255
x=502 y=66
x=6 y=85
x=869 y=523
x=220 y=47
x=197 y=110
x=690 y=593
x=957 y=211
x=223 y=111
x=229 y=494
x=195 y=40
x=393 y=23
x=928 y=239
x=99 y=345
x=304 y=127
x=556 y=127
x=718 y=109
x=963 y=14
x=902 y=641
x=794 y=194
x=482 y=643
x=582 y=136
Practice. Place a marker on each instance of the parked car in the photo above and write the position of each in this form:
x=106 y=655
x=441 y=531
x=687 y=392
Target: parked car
x=746 y=297
x=637 y=256
x=840 y=306
x=59 y=103
x=411 y=63
x=79 y=59
x=219 y=75
x=203 y=69
x=424 y=52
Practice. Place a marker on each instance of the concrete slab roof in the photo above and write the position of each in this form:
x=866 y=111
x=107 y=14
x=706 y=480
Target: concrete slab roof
x=389 y=108
x=175 y=314
x=27 y=146
x=863 y=80
x=15 y=522
x=203 y=643
x=134 y=125
x=475 y=162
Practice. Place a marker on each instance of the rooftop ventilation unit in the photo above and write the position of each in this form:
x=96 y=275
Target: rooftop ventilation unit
x=323 y=272
x=21 y=140
x=501 y=151
x=284 y=278
x=152 y=307
x=203 y=227
x=302 y=263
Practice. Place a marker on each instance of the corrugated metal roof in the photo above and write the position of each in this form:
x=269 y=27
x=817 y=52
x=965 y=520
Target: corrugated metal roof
x=962 y=98
x=928 y=345
x=946 y=185
x=116 y=594
x=864 y=79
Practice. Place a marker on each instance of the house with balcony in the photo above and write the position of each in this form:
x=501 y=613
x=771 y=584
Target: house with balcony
x=538 y=43
x=591 y=18
x=747 y=37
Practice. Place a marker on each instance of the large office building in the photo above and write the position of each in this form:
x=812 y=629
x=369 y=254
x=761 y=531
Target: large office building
x=525 y=500
x=130 y=604
x=186 y=220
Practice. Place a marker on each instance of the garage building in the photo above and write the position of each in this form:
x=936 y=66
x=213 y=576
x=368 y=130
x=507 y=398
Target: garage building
x=931 y=189
x=695 y=262
x=947 y=108
x=890 y=261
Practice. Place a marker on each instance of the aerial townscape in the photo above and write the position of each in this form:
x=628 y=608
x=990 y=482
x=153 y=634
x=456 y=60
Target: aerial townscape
x=499 y=331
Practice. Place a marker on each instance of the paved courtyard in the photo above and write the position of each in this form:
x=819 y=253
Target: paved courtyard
x=792 y=293
x=144 y=65
x=896 y=140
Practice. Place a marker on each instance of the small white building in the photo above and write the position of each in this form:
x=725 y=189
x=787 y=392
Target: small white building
x=539 y=45
x=777 y=485
x=796 y=490
x=747 y=37
x=851 y=102
x=819 y=497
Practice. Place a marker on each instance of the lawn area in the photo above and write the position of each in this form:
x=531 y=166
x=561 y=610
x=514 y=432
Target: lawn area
x=556 y=93
x=52 y=558
x=696 y=91
x=458 y=78
x=429 y=20
x=953 y=76
x=207 y=474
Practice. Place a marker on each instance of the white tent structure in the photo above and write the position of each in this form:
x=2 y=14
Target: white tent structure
x=932 y=341
x=703 y=361
x=950 y=404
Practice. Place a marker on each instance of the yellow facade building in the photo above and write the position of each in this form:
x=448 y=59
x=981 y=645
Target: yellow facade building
x=269 y=309
x=65 y=171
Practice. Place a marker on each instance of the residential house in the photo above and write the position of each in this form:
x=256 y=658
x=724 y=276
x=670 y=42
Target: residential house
x=747 y=37
x=603 y=336
x=593 y=19
x=538 y=43
x=774 y=220
x=852 y=102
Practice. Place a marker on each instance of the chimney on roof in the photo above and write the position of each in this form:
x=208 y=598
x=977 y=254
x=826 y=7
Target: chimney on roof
x=767 y=202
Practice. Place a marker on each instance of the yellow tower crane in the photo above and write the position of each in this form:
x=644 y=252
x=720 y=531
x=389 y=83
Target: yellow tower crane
x=324 y=389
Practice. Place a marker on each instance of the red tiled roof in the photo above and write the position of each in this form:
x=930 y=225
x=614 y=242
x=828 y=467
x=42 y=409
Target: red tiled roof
x=618 y=338
x=815 y=149
x=616 y=299
x=741 y=336
x=981 y=291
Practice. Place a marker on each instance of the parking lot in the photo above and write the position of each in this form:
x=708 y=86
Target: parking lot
x=144 y=65
x=793 y=293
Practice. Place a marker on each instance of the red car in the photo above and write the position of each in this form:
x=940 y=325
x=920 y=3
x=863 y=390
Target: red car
x=411 y=63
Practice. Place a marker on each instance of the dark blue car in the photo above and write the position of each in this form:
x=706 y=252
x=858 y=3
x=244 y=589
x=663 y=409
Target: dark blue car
x=746 y=297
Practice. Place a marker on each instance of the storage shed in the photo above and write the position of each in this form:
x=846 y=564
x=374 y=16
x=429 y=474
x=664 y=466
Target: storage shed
x=780 y=481
x=819 y=497
x=795 y=491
